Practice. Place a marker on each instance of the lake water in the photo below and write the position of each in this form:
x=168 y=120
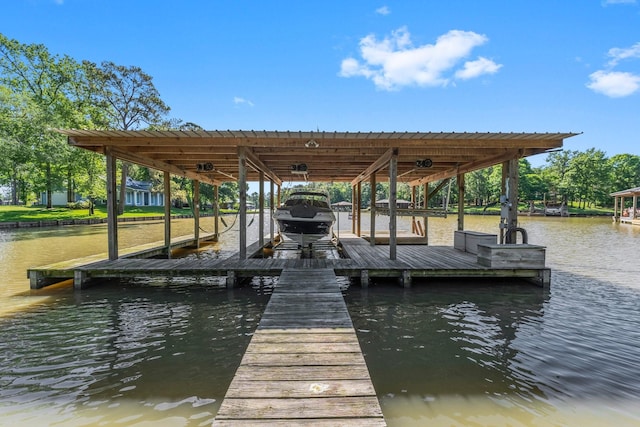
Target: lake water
x=163 y=351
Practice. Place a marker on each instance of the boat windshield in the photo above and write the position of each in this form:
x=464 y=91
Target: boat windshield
x=312 y=199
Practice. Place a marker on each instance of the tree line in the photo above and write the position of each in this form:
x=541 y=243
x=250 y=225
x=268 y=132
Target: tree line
x=41 y=92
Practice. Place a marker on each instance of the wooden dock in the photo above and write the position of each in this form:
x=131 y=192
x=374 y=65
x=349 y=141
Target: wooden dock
x=361 y=261
x=304 y=365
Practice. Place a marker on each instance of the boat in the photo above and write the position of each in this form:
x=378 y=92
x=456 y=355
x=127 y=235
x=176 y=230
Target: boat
x=305 y=217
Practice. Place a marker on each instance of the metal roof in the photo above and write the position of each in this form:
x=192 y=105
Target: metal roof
x=328 y=156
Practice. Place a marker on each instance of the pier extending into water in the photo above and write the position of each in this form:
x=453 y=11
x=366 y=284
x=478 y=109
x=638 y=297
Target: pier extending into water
x=304 y=365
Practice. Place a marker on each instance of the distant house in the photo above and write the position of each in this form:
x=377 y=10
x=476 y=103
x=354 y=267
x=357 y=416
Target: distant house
x=401 y=204
x=138 y=193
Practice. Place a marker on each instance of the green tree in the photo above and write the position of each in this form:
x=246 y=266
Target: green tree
x=129 y=100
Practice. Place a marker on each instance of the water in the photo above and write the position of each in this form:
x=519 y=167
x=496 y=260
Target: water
x=156 y=351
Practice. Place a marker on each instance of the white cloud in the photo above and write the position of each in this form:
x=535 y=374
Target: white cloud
x=240 y=101
x=614 y=84
x=477 y=68
x=618 y=54
x=394 y=62
x=608 y=2
x=384 y=10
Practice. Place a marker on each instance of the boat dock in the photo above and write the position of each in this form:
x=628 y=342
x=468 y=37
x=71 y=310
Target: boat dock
x=304 y=365
x=359 y=260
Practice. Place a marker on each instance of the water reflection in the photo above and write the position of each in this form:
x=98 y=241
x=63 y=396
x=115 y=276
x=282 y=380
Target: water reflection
x=154 y=351
x=125 y=352
x=470 y=354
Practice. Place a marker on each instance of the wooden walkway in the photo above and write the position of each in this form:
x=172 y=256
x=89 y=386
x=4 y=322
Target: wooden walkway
x=303 y=365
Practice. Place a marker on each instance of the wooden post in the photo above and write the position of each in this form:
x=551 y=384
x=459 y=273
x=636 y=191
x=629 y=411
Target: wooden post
x=196 y=212
x=510 y=179
x=261 y=211
x=635 y=206
x=460 y=201
x=271 y=212
x=372 y=229
x=414 y=227
x=353 y=209
x=242 y=185
x=167 y=213
x=425 y=205
x=393 y=184
x=112 y=206
x=359 y=207
x=216 y=212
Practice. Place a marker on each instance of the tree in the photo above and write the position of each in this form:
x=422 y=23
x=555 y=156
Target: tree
x=39 y=84
x=129 y=99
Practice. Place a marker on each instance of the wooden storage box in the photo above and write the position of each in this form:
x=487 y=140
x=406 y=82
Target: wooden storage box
x=468 y=241
x=511 y=256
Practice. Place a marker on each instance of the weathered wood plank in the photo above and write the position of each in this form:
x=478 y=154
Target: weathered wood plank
x=299 y=389
x=302 y=359
x=324 y=407
x=316 y=422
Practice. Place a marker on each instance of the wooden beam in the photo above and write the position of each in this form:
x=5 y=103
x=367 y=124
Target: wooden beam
x=468 y=167
x=167 y=213
x=161 y=166
x=379 y=164
x=259 y=166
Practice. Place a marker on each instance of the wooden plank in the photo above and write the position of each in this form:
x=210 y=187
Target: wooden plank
x=293 y=409
x=333 y=422
x=302 y=359
x=299 y=389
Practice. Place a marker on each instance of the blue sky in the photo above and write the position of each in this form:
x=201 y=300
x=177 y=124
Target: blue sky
x=448 y=65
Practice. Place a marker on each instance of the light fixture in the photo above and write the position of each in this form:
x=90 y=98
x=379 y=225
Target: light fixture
x=204 y=167
x=424 y=163
x=311 y=144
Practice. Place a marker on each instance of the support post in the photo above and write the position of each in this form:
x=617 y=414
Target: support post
x=242 y=184
x=216 y=212
x=196 y=212
x=261 y=211
x=393 y=189
x=353 y=209
x=425 y=205
x=372 y=229
x=112 y=206
x=510 y=185
x=167 y=213
x=271 y=212
x=460 y=180
x=359 y=207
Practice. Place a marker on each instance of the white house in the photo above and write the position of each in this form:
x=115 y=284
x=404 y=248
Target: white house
x=138 y=193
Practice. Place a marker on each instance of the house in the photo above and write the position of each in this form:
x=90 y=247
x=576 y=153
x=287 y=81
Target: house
x=138 y=193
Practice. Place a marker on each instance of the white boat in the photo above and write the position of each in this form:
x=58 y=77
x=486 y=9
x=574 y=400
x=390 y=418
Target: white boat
x=305 y=217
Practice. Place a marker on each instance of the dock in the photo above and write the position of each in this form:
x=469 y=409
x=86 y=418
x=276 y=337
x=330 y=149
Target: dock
x=304 y=365
x=360 y=261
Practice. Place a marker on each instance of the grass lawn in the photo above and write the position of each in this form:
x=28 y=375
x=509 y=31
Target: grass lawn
x=39 y=213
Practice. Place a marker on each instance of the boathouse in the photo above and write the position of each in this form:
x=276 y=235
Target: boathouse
x=427 y=161
x=621 y=212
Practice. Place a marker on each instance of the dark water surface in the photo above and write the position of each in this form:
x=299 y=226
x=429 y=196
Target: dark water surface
x=163 y=351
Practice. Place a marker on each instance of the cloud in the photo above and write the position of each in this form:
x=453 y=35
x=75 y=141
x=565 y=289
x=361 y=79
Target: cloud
x=614 y=84
x=240 y=101
x=477 y=68
x=384 y=10
x=608 y=2
x=394 y=62
x=618 y=54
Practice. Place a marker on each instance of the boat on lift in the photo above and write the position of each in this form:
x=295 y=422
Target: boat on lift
x=305 y=217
